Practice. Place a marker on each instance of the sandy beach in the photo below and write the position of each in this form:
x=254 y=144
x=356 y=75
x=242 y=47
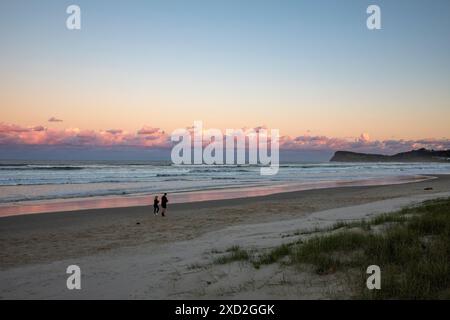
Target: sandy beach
x=129 y=253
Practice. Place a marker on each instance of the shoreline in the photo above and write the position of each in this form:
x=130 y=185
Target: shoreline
x=173 y=257
x=214 y=194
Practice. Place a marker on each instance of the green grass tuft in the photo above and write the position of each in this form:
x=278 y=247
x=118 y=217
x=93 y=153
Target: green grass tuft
x=234 y=253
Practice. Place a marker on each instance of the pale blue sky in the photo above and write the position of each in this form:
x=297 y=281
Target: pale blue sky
x=293 y=65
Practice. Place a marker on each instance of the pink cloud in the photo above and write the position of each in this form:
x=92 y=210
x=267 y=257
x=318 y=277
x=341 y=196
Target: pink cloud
x=365 y=137
x=12 y=128
x=360 y=144
x=38 y=128
x=53 y=119
x=38 y=135
x=148 y=130
x=11 y=134
x=114 y=131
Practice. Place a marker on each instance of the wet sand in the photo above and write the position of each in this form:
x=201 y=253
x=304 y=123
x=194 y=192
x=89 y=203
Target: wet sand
x=135 y=200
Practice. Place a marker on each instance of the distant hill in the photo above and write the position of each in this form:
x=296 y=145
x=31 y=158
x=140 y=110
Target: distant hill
x=420 y=155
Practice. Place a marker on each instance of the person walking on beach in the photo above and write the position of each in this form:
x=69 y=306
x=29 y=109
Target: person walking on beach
x=156 y=206
x=164 y=204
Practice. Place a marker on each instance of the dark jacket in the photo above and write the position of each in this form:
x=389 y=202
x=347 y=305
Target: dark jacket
x=164 y=202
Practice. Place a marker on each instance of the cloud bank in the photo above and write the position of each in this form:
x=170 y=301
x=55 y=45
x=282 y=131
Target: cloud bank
x=11 y=134
x=151 y=137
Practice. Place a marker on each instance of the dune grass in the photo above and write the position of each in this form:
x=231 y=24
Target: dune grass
x=234 y=253
x=411 y=246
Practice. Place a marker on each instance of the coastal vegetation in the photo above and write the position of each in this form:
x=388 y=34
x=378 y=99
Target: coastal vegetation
x=411 y=247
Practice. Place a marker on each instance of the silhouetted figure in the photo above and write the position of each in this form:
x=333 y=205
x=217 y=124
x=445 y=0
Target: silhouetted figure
x=164 y=204
x=156 y=206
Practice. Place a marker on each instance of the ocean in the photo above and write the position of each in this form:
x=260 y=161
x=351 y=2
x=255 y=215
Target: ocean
x=22 y=181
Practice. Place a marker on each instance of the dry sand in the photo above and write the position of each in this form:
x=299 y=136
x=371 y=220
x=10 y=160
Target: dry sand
x=172 y=257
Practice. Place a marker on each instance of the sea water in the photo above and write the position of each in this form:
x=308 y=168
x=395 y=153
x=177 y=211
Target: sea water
x=22 y=181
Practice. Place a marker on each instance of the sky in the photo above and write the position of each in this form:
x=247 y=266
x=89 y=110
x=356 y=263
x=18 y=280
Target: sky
x=137 y=70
